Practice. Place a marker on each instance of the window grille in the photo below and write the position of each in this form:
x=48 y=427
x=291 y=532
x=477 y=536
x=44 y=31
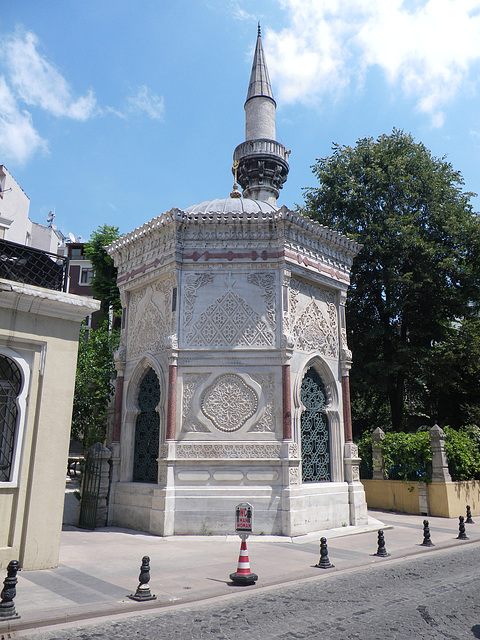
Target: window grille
x=10 y=386
x=147 y=430
x=314 y=430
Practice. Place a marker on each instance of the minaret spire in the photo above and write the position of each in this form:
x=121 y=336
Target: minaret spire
x=262 y=161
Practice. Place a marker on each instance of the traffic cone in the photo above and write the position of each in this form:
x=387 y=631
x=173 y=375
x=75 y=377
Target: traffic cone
x=243 y=574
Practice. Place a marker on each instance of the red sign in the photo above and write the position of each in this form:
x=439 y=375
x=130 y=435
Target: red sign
x=244 y=518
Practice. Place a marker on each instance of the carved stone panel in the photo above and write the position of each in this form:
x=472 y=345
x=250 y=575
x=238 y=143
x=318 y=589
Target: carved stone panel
x=191 y=383
x=312 y=319
x=230 y=312
x=229 y=402
x=268 y=420
x=149 y=319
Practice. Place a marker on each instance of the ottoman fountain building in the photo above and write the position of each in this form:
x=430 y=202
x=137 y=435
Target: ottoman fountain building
x=233 y=364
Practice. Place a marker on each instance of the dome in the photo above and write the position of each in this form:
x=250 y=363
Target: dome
x=231 y=205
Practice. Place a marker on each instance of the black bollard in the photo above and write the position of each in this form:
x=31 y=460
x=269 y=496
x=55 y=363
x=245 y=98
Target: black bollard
x=324 y=562
x=381 y=551
x=469 y=516
x=427 y=541
x=7 y=606
x=461 y=529
x=143 y=592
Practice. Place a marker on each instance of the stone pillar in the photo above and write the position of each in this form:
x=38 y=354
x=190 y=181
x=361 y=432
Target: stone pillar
x=345 y=365
x=440 y=472
x=347 y=412
x=378 y=462
x=117 y=420
x=287 y=404
x=172 y=395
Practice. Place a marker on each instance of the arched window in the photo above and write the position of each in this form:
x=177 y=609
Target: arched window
x=147 y=430
x=10 y=386
x=314 y=430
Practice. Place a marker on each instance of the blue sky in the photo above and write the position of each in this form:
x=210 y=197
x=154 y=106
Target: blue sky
x=116 y=111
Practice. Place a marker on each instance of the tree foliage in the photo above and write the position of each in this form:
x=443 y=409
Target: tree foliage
x=416 y=275
x=93 y=384
x=104 y=281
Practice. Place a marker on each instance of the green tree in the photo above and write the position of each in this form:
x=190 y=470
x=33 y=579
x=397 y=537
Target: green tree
x=104 y=281
x=418 y=269
x=93 y=384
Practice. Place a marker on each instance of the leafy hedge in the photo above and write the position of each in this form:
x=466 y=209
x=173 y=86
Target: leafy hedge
x=408 y=455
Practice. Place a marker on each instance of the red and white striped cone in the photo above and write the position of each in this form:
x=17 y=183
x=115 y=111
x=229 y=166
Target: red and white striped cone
x=243 y=574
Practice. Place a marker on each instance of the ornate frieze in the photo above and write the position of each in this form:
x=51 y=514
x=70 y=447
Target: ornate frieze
x=228 y=451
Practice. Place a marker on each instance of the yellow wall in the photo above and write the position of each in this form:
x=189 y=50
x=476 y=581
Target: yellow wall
x=445 y=499
x=392 y=495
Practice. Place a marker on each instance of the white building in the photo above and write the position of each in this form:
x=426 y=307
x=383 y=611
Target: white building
x=16 y=226
x=233 y=366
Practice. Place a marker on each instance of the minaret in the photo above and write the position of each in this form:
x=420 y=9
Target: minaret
x=262 y=161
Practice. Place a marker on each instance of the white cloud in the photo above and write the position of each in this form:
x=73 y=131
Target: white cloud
x=238 y=13
x=145 y=102
x=37 y=81
x=427 y=48
x=18 y=138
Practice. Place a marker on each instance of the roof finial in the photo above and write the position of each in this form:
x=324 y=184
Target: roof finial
x=259 y=30
x=235 y=193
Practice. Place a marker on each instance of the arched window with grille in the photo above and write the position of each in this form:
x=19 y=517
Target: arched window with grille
x=11 y=380
x=315 y=436
x=147 y=430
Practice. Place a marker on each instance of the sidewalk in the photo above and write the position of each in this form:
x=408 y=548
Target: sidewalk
x=98 y=569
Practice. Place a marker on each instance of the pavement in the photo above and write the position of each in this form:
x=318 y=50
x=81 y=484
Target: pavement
x=98 y=569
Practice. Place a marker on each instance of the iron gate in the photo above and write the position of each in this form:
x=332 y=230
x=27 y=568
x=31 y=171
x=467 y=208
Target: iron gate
x=90 y=491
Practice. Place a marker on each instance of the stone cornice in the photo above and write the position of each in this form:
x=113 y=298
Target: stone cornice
x=233 y=235
x=45 y=302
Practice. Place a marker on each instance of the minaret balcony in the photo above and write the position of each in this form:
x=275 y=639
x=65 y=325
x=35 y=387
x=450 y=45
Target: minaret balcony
x=261 y=147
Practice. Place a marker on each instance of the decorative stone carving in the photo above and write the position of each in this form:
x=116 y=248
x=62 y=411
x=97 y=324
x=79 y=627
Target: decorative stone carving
x=193 y=282
x=312 y=319
x=230 y=321
x=293 y=475
x=345 y=353
x=292 y=450
x=191 y=382
x=312 y=332
x=266 y=282
x=229 y=402
x=228 y=451
x=149 y=319
x=267 y=421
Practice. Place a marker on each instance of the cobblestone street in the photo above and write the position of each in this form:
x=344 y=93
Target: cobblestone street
x=420 y=598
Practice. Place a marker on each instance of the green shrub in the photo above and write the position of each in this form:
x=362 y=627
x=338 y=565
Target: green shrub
x=407 y=456
x=463 y=452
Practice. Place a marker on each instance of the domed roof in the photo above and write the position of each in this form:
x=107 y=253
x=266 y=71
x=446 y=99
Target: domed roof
x=231 y=205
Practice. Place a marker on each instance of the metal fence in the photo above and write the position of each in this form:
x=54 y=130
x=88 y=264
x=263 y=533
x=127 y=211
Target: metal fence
x=33 y=266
